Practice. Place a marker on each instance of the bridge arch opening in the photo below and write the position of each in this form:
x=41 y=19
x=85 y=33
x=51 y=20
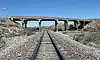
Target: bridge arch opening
x=78 y=24
x=61 y=26
x=33 y=25
x=19 y=23
x=47 y=25
x=72 y=25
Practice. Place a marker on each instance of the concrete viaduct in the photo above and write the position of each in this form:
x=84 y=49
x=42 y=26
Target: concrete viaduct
x=79 y=24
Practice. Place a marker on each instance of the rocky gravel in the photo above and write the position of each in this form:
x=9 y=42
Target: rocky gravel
x=19 y=48
x=22 y=47
x=86 y=38
x=75 y=50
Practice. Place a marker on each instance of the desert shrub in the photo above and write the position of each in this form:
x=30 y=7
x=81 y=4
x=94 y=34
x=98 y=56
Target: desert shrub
x=9 y=35
x=27 y=31
x=3 y=25
x=2 y=42
x=88 y=37
x=60 y=29
x=4 y=30
x=71 y=27
x=91 y=29
x=64 y=32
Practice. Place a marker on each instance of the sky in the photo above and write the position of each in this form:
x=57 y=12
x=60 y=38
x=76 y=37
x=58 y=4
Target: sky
x=54 y=8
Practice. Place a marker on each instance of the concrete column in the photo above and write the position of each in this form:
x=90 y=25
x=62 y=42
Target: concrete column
x=25 y=22
x=40 y=25
x=22 y=24
x=75 y=25
x=65 y=25
x=78 y=23
x=83 y=26
x=56 y=25
x=84 y=23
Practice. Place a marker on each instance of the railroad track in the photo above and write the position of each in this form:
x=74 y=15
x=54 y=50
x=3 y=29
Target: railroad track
x=46 y=49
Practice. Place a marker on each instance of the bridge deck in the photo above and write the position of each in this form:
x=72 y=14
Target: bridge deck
x=40 y=17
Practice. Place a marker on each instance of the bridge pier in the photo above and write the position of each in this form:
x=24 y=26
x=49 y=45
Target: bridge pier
x=76 y=24
x=56 y=25
x=25 y=23
x=65 y=25
x=40 y=26
x=22 y=24
x=81 y=25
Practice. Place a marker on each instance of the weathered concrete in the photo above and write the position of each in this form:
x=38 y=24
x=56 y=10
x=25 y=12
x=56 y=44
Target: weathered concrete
x=79 y=24
x=56 y=25
x=25 y=23
x=66 y=25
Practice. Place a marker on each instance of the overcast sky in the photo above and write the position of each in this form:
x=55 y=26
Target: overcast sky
x=57 y=8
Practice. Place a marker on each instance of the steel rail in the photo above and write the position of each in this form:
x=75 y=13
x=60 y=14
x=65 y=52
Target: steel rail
x=57 y=50
x=37 y=47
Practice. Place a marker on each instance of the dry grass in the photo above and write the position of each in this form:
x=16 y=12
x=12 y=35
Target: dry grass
x=88 y=38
